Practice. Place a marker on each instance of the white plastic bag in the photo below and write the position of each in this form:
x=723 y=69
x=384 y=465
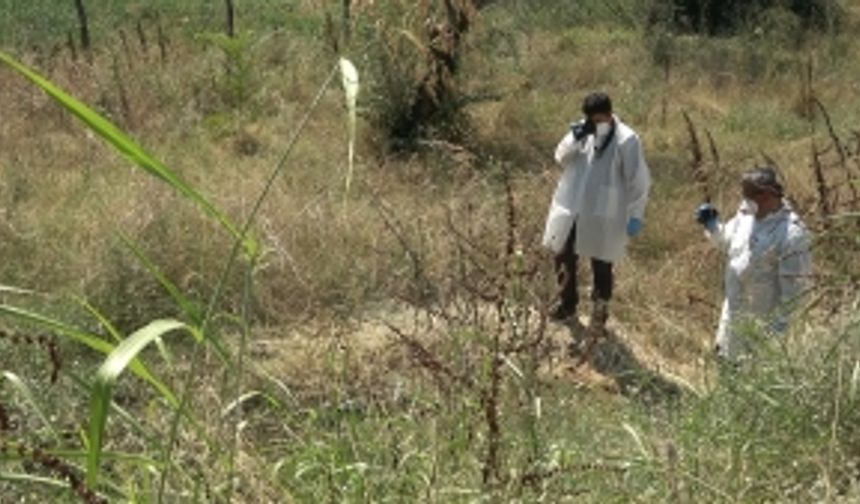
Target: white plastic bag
x=558 y=225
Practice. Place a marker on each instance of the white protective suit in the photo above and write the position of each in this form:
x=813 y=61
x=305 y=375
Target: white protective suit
x=599 y=193
x=768 y=267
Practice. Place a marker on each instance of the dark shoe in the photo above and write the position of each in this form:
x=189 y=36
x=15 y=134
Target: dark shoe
x=578 y=336
x=561 y=312
x=596 y=329
x=599 y=316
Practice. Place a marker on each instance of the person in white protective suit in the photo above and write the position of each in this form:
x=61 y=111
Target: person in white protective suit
x=768 y=266
x=598 y=205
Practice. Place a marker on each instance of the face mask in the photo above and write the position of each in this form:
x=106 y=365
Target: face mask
x=603 y=129
x=749 y=206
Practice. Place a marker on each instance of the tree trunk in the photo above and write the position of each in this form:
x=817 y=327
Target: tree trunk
x=231 y=14
x=85 y=29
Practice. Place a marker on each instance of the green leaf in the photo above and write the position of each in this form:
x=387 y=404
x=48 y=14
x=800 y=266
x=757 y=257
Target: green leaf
x=128 y=147
x=14 y=455
x=119 y=495
x=189 y=308
x=103 y=321
x=30 y=478
x=135 y=424
x=24 y=391
x=92 y=341
x=121 y=357
x=114 y=332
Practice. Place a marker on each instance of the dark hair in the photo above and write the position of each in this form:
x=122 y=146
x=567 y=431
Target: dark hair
x=596 y=103
x=763 y=178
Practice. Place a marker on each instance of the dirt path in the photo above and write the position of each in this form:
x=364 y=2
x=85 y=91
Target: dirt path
x=309 y=354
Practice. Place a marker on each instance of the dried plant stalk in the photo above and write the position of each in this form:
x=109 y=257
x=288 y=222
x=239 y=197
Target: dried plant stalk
x=697 y=162
x=821 y=183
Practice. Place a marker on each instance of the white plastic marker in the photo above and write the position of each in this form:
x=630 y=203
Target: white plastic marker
x=350 y=87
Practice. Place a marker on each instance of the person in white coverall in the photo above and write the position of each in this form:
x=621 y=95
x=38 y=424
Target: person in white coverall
x=768 y=266
x=598 y=205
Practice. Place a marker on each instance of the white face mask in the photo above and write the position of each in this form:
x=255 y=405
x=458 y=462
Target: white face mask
x=749 y=206
x=603 y=129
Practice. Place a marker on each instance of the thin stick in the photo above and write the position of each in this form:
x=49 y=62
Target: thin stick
x=162 y=41
x=697 y=165
x=840 y=149
x=84 y=24
x=715 y=154
x=821 y=184
x=247 y=296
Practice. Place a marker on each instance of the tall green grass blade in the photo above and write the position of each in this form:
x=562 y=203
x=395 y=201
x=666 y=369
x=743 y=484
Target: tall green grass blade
x=118 y=360
x=92 y=341
x=103 y=321
x=118 y=493
x=70 y=454
x=350 y=86
x=87 y=339
x=114 y=332
x=27 y=394
x=225 y=274
x=128 y=147
x=247 y=293
x=188 y=307
x=134 y=423
x=32 y=478
x=20 y=478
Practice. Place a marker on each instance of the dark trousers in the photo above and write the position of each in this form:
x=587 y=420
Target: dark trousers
x=565 y=267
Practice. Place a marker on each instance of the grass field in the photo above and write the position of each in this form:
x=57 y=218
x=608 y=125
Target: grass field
x=387 y=344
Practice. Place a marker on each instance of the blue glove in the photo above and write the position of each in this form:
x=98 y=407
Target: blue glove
x=707 y=216
x=634 y=227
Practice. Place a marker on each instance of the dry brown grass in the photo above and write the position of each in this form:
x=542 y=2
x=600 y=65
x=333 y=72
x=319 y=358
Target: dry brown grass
x=333 y=275
x=322 y=258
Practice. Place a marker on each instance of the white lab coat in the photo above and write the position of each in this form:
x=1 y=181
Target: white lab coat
x=599 y=193
x=768 y=267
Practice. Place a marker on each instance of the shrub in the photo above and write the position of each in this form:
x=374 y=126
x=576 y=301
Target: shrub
x=413 y=53
x=238 y=83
